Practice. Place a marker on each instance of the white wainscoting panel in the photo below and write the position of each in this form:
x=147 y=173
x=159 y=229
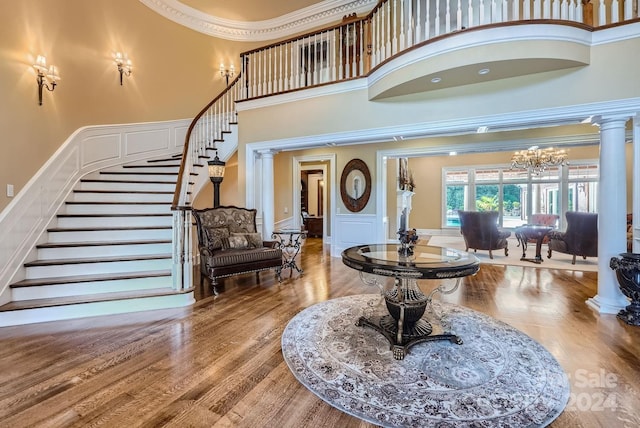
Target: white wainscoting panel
x=350 y=230
x=25 y=219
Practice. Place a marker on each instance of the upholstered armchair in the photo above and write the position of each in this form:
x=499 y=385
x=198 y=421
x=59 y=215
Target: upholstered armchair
x=480 y=231
x=580 y=238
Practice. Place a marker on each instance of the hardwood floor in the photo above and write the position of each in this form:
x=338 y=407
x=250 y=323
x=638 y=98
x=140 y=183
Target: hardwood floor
x=219 y=363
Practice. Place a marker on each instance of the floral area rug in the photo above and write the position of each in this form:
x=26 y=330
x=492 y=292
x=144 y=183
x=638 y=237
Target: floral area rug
x=498 y=377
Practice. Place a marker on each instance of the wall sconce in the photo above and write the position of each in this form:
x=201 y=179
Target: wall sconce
x=124 y=65
x=45 y=76
x=227 y=72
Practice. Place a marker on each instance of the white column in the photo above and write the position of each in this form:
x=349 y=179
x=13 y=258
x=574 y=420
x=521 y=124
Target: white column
x=268 y=218
x=612 y=208
x=636 y=181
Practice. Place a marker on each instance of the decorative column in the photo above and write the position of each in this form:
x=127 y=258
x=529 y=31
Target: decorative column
x=268 y=218
x=636 y=182
x=612 y=207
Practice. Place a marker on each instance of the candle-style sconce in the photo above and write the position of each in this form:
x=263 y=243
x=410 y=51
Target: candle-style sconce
x=47 y=77
x=124 y=65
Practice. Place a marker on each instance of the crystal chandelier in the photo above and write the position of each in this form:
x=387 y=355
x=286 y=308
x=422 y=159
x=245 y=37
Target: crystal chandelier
x=537 y=159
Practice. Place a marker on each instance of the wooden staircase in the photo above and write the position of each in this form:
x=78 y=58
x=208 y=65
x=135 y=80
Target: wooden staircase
x=110 y=250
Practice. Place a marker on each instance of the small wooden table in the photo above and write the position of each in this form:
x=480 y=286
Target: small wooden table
x=532 y=231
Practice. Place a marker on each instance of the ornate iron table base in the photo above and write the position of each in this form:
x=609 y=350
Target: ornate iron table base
x=418 y=333
x=290 y=241
x=405 y=325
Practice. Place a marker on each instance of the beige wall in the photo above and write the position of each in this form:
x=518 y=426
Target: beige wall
x=175 y=73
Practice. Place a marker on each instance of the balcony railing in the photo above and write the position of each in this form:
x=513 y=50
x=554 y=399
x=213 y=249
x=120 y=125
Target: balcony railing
x=350 y=50
x=357 y=46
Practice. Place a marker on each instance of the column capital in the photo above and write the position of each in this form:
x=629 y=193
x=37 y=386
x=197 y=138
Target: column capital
x=267 y=153
x=613 y=120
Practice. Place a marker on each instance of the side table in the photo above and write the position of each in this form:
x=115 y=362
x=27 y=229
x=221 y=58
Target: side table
x=290 y=241
x=532 y=231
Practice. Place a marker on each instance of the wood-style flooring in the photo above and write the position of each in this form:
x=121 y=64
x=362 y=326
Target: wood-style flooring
x=219 y=363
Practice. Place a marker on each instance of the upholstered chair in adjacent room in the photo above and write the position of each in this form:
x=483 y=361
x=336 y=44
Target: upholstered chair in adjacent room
x=580 y=238
x=550 y=220
x=480 y=231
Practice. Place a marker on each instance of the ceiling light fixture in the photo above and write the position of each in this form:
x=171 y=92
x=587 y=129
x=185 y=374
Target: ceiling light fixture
x=483 y=71
x=436 y=80
x=537 y=160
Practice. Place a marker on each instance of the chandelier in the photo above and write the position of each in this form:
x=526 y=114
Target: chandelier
x=537 y=159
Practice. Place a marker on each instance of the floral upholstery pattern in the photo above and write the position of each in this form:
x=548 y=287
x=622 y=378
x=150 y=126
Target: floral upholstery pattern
x=229 y=244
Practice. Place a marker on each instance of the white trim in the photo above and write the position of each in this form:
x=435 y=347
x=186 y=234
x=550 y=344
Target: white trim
x=302 y=94
x=328 y=216
x=317 y=15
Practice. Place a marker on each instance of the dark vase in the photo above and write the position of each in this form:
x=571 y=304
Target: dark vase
x=627 y=268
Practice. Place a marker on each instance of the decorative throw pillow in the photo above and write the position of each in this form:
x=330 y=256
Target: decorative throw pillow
x=215 y=235
x=254 y=239
x=237 y=241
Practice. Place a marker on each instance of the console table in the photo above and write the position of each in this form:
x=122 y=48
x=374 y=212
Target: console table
x=406 y=303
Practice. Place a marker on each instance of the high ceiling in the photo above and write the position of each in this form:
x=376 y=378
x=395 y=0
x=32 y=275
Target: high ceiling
x=257 y=20
x=249 y=10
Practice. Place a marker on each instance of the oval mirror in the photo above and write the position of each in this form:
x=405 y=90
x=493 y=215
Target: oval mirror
x=355 y=185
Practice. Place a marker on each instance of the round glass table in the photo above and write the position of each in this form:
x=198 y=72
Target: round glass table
x=405 y=325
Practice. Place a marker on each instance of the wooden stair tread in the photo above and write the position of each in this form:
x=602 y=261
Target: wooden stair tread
x=101 y=243
x=116 y=203
x=127 y=192
x=138 y=173
x=54 y=262
x=90 y=298
x=116 y=215
x=97 y=277
x=173 y=158
x=97 y=229
x=173 y=165
x=97 y=180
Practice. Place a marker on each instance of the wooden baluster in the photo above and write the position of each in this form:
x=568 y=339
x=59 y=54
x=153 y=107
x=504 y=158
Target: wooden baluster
x=470 y=10
x=265 y=81
x=602 y=13
x=187 y=268
x=459 y=16
x=402 y=35
x=436 y=23
x=287 y=66
x=505 y=11
x=494 y=12
x=615 y=11
x=447 y=18
x=418 y=34
x=516 y=10
x=389 y=36
x=361 y=48
x=410 y=24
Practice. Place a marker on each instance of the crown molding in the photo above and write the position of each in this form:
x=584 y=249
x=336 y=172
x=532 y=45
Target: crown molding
x=322 y=13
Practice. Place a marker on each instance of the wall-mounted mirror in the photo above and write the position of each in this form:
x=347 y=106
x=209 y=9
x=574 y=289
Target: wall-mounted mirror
x=355 y=185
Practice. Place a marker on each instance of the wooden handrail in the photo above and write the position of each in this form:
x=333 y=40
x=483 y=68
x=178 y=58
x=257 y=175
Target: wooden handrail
x=185 y=150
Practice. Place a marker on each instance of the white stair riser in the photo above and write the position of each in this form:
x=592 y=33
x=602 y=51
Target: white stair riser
x=139 y=177
x=30 y=316
x=117 y=208
x=88 y=288
x=33 y=272
x=165 y=220
x=151 y=187
x=167 y=198
x=103 y=251
x=104 y=235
